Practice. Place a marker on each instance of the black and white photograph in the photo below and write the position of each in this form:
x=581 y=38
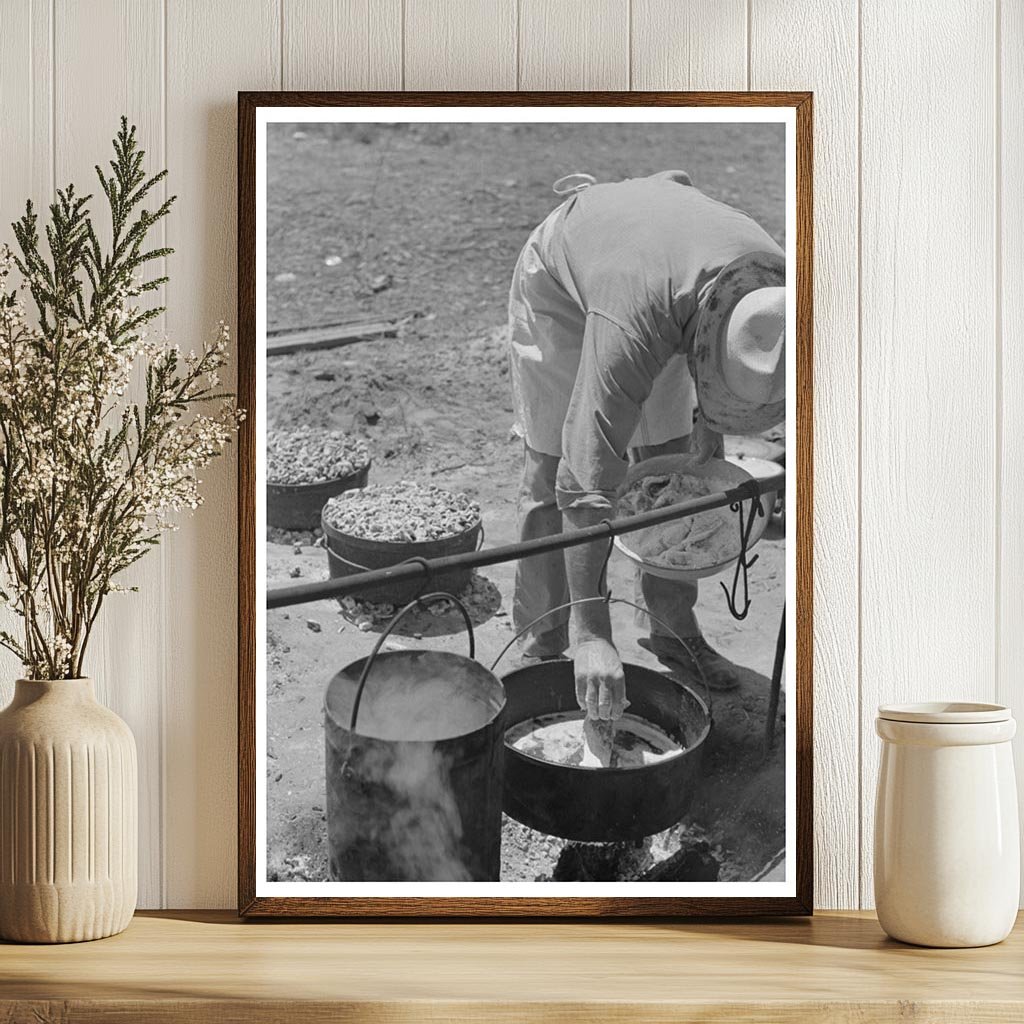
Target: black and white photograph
x=525 y=538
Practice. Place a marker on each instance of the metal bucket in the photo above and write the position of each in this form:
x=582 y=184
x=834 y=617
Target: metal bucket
x=603 y=804
x=348 y=555
x=298 y=506
x=414 y=743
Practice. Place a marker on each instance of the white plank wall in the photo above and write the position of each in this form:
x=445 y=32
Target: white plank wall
x=699 y=44
x=213 y=50
x=468 y=44
x=919 y=163
x=574 y=44
x=127 y=636
x=831 y=72
x=26 y=157
x=928 y=362
x=342 y=44
x=1009 y=255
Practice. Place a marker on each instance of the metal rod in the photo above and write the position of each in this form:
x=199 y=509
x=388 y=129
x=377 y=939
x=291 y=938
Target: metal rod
x=776 y=688
x=284 y=597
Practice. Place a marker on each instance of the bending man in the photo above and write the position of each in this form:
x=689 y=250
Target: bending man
x=623 y=298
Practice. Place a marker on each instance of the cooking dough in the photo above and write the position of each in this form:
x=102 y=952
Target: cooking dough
x=558 y=738
x=708 y=538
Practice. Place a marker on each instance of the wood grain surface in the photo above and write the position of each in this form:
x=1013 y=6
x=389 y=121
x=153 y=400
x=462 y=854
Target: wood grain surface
x=468 y=45
x=701 y=44
x=573 y=44
x=201 y=967
x=341 y=44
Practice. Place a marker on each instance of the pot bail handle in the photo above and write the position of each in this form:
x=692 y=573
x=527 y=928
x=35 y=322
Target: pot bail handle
x=608 y=599
x=372 y=657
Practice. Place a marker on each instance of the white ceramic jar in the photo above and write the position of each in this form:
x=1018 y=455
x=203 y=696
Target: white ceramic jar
x=947 y=847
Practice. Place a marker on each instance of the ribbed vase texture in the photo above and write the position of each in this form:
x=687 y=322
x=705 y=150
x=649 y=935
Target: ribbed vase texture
x=68 y=815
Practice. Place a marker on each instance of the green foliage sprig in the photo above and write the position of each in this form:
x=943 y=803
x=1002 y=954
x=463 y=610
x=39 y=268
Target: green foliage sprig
x=90 y=476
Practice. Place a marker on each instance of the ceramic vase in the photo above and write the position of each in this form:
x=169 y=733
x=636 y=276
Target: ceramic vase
x=947 y=847
x=68 y=815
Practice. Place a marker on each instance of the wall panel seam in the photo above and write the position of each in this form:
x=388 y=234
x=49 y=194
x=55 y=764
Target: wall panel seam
x=33 y=170
x=860 y=458
x=162 y=697
x=53 y=97
x=997 y=233
x=629 y=45
x=749 y=43
x=519 y=48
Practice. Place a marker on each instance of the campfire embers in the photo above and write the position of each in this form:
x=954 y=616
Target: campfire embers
x=692 y=861
x=602 y=862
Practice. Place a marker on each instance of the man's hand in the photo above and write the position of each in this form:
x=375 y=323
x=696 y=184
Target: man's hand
x=705 y=443
x=600 y=682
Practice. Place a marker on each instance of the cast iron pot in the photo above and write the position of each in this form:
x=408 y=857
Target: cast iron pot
x=603 y=804
x=298 y=506
x=348 y=555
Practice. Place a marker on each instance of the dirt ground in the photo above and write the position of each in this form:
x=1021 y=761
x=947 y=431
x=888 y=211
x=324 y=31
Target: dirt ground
x=424 y=222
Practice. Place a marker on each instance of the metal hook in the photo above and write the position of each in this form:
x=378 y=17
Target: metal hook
x=427 y=574
x=742 y=564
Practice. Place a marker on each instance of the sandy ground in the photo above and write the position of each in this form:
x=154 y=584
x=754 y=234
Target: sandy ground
x=393 y=206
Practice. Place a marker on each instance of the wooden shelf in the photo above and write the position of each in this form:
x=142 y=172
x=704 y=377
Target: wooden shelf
x=204 y=967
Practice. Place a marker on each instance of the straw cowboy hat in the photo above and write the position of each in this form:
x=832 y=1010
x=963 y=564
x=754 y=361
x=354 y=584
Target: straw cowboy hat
x=739 y=349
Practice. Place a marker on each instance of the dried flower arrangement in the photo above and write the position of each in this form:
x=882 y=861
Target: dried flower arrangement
x=89 y=477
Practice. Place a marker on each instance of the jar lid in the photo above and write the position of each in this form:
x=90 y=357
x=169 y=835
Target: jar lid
x=945 y=713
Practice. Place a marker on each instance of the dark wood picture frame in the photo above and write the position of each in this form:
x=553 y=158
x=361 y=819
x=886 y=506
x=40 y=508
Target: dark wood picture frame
x=249 y=904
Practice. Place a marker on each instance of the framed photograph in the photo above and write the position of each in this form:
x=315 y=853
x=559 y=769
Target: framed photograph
x=525 y=504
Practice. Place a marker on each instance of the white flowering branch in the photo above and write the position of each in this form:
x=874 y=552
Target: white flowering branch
x=88 y=477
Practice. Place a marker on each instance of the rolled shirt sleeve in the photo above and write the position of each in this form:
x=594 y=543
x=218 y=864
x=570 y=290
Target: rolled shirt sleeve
x=616 y=374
